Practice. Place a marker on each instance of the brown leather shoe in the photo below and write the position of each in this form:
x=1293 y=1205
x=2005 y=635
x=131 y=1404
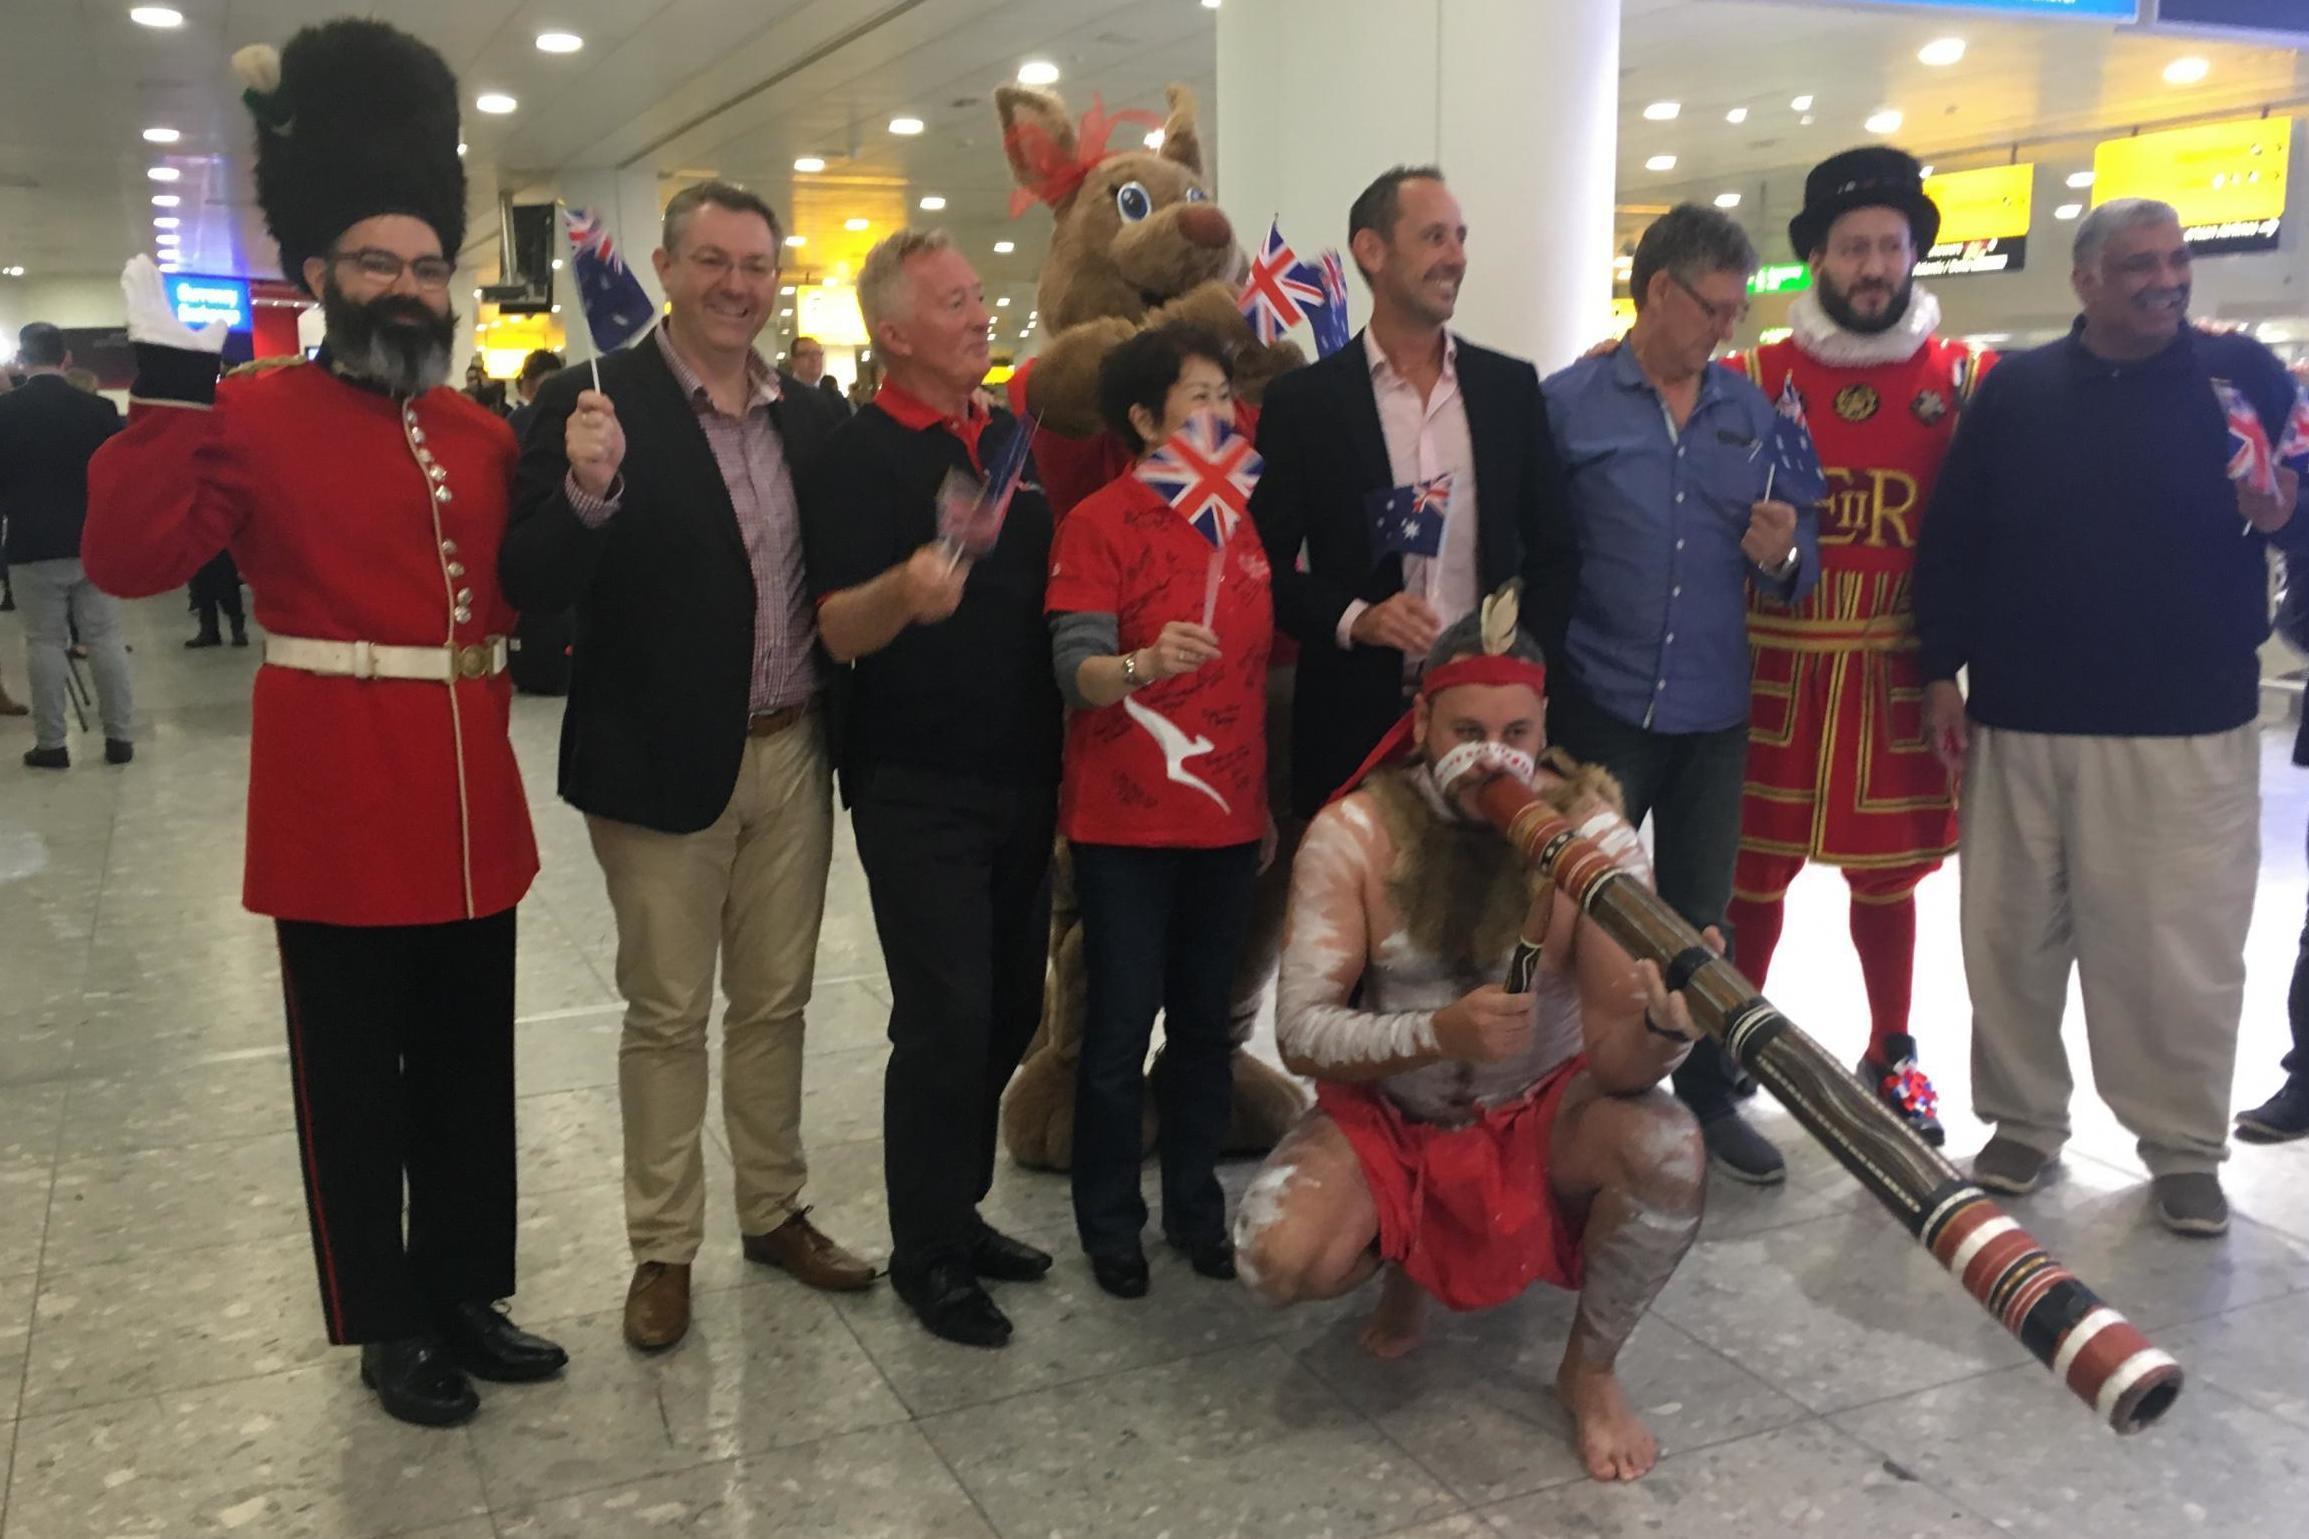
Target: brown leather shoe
x=657 y=1305
x=799 y=1247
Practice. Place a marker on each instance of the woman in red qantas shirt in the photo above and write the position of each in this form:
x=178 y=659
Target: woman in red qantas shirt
x=1160 y=633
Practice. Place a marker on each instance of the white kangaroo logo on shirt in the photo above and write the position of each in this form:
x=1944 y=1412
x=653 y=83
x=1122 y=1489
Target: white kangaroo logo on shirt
x=1177 y=748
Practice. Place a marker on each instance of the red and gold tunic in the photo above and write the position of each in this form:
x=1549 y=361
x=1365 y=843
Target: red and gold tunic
x=1840 y=766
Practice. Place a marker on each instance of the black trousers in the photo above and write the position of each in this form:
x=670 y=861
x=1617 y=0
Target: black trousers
x=1162 y=929
x=1688 y=784
x=958 y=871
x=401 y=1057
x=217 y=586
x=2297 y=1007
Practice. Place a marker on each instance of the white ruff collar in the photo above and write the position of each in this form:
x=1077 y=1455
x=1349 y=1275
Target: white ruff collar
x=1823 y=339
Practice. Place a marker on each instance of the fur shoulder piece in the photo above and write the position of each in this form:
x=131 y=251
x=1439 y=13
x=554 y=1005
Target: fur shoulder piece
x=1581 y=783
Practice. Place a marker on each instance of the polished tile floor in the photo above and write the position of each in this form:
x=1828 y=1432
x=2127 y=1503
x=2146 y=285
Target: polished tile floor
x=1809 y=1371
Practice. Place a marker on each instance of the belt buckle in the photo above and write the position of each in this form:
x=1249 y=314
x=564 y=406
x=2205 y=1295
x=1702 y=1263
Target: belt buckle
x=472 y=661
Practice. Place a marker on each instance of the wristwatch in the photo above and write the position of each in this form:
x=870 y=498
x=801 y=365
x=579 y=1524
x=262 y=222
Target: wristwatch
x=1130 y=670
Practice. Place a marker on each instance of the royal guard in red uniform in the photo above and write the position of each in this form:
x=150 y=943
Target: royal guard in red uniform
x=388 y=836
x=1839 y=767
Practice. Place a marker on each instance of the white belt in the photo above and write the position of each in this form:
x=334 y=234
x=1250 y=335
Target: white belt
x=367 y=660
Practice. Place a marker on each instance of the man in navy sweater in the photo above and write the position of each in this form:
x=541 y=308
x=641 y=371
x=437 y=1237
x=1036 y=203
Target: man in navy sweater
x=2089 y=561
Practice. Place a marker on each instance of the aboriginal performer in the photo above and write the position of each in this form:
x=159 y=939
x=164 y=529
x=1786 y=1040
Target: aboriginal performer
x=388 y=836
x=1487 y=1061
x=1839 y=767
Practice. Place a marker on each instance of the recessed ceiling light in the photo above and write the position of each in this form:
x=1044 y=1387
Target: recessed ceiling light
x=787 y=291
x=161 y=136
x=1885 y=121
x=1663 y=112
x=166 y=222
x=166 y=238
x=789 y=310
x=495 y=103
x=1005 y=247
x=810 y=164
x=933 y=203
x=1736 y=115
x=164 y=173
x=1800 y=104
x=1210 y=5
x=557 y=264
x=165 y=200
x=905 y=125
x=853 y=225
x=2187 y=71
x=2068 y=211
x=1660 y=163
x=1941 y=52
x=1154 y=139
x=797 y=240
x=460 y=149
x=1002 y=302
x=1924 y=172
x=155 y=16
x=1038 y=72
x=1727 y=200
x=2080 y=178
x=559 y=42
x=1807 y=120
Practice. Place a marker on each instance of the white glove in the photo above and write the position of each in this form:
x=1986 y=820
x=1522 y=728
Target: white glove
x=150 y=318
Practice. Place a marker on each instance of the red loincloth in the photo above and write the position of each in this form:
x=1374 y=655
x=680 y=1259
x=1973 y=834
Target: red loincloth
x=1467 y=1212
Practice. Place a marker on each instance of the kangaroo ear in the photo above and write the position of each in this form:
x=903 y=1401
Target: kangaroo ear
x=1037 y=136
x=1181 y=143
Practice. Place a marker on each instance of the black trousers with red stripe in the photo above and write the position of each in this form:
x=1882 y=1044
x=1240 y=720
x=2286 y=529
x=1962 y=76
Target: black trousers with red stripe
x=401 y=1056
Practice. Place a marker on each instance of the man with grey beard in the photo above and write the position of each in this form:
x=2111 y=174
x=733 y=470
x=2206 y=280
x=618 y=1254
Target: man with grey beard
x=388 y=836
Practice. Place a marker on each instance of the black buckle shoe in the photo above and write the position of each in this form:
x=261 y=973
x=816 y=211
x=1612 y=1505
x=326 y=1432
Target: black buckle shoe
x=416 y=1382
x=1122 y=1273
x=999 y=1258
x=1903 y=1087
x=488 y=1345
x=1213 y=1258
x=951 y=1305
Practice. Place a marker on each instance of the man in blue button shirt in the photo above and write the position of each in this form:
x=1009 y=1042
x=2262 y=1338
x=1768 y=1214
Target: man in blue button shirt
x=1669 y=460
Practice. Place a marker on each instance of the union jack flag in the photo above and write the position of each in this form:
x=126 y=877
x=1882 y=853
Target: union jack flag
x=1274 y=299
x=616 y=306
x=2294 y=447
x=1328 y=316
x=2250 y=460
x=1206 y=471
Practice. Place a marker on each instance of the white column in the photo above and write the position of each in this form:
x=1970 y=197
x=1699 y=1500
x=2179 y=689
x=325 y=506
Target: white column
x=1516 y=100
x=627 y=202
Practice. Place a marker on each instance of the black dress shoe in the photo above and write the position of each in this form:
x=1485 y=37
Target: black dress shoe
x=1214 y=1259
x=1121 y=1272
x=488 y=1345
x=996 y=1256
x=949 y=1302
x=48 y=758
x=416 y=1382
x=118 y=750
x=203 y=640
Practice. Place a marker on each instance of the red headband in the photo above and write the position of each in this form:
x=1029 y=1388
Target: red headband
x=1048 y=174
x=1481 y=669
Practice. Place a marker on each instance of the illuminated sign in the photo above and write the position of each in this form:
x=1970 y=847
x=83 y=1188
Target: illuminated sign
x=2284 y=21
x=1984 y=219
x=200 y=301
x=1780 y=278
x=829 y=312
x=2226 y=180
x=2095 y=10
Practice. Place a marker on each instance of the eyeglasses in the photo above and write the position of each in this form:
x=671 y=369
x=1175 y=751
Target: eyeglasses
x=431 y=272
x=1722 y=315
x=717 y=265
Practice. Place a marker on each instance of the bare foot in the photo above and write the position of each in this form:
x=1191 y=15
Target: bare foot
x=1400 y=1321
x=1613 y=1443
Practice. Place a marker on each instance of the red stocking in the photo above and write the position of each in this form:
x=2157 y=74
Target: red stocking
x=1758 y=907
x=1884 y=933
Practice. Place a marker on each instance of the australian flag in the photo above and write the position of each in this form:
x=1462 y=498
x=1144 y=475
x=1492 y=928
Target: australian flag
x=1280 y=288
x=1408 y=520
x=1797 y=478
x=2251 y=461
x=617 y=308
x=1206 y=471
x=1328 y=315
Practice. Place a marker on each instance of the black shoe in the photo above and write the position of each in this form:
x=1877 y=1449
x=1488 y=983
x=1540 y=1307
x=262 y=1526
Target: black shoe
x=2280 y=1119
x=204 y=640
x=949 y=1302
x=999 y=1258
x=1214 y=1259
x=1742 y=1153
x=1122 y=1273
x=240 y=636
x=488 y=1345
x=118 y=750
x=416 y=1382
x=1744 y=1084
x=1902 y=1086
x=48 y=758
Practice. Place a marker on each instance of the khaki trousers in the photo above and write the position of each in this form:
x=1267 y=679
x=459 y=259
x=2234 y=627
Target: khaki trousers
x=752 y=889
x=2135 y=859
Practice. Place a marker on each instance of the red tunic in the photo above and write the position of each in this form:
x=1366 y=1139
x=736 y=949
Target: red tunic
x=371 y=802
x=1840 y=769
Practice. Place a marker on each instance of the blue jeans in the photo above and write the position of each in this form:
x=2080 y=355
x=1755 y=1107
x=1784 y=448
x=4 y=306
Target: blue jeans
x=56 y=597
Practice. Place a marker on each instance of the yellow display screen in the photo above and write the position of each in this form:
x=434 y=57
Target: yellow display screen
x=1992 y=203
x=2227 y=180
x=829 y=312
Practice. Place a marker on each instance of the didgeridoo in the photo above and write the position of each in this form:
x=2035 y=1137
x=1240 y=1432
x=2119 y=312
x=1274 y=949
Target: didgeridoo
x=2099 y=1354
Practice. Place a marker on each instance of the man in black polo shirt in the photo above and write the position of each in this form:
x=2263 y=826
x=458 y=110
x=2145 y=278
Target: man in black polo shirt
x=949 y=758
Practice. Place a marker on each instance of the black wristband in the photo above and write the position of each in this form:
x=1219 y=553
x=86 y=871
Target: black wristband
x=1657 y=1030
x=177 y=374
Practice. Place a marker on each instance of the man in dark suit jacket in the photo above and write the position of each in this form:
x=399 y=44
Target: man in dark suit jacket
x=49 y=431
x=662 y=507
x=1407 y=406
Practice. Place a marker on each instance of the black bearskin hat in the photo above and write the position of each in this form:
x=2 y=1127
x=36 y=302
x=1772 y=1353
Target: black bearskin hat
x=354 y=119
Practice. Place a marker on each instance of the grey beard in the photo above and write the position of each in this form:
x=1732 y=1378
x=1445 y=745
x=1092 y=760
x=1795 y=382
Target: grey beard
x=395 y=359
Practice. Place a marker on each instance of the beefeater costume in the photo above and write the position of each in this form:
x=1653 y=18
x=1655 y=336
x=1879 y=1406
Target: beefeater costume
x=388 y=834
x=1840 y=768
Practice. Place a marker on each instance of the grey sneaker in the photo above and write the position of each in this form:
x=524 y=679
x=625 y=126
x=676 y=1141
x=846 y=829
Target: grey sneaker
x=2009 y=1166
x=2191 y=1203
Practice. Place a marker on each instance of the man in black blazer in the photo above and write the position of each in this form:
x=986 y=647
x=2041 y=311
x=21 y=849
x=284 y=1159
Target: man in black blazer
x=661 y=506
x=49 y=431
x=1411 y=410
